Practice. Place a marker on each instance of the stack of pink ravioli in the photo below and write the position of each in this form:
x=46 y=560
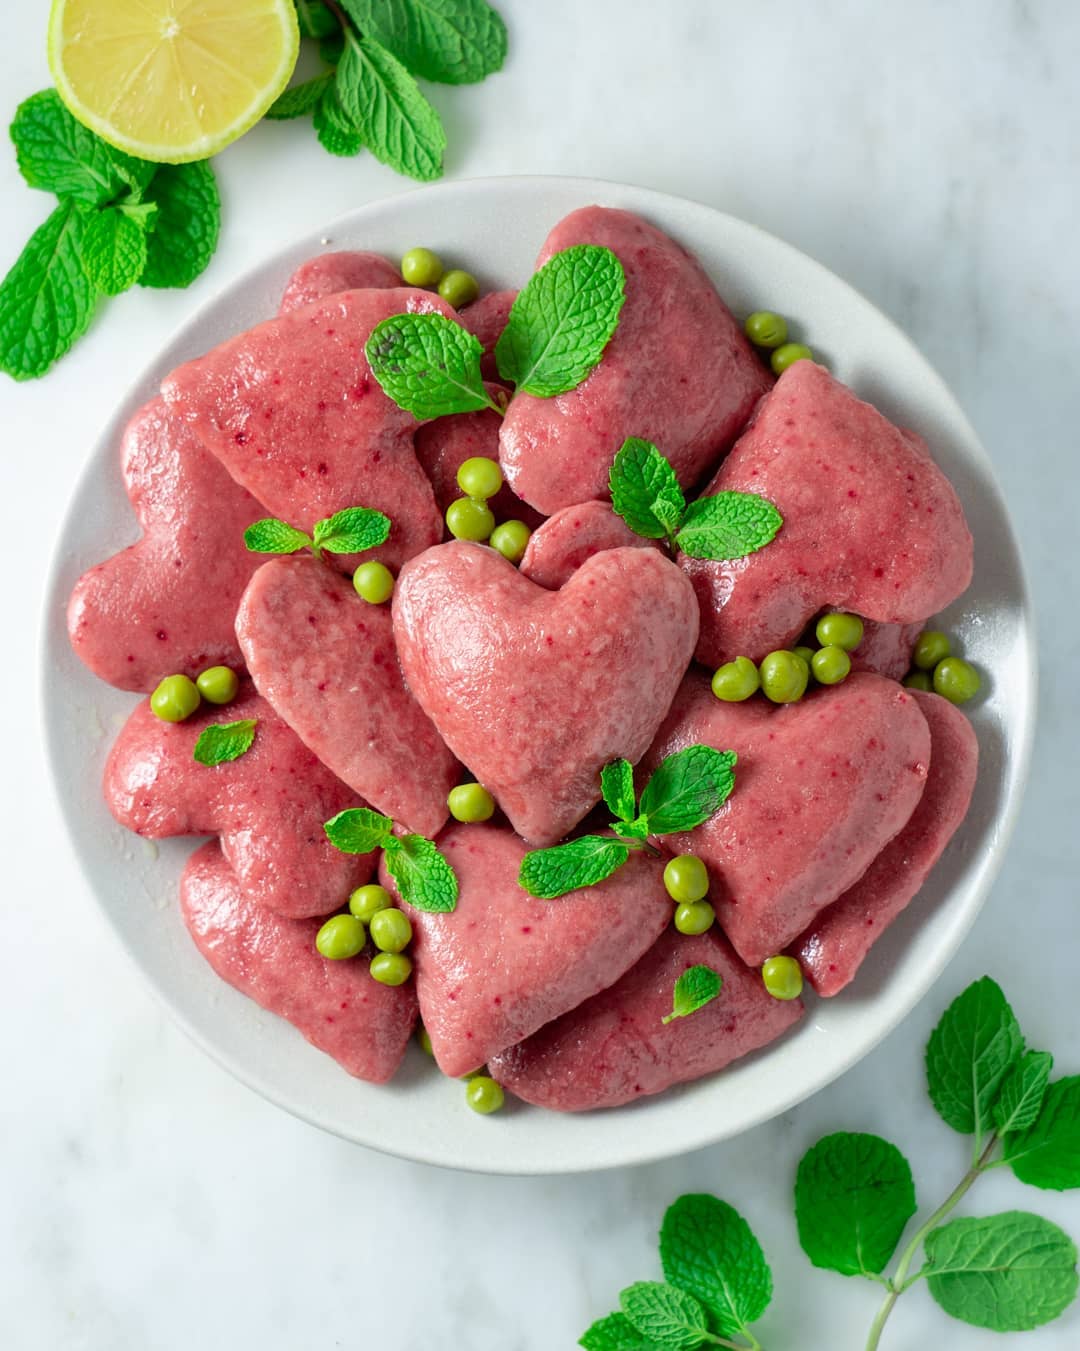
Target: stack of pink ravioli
x=531 y=679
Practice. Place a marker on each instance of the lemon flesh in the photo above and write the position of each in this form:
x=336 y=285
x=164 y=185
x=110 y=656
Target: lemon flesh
x=171 y=80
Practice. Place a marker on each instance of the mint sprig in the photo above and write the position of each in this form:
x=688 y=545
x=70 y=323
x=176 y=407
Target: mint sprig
x=349 y=531
x=696 y=987
x=685 y=790
x=428 y=365
x=646 y=494
x=446 y=41
x=561 y=321
x=223 y=742
x=854 y=1198
x=424 y=878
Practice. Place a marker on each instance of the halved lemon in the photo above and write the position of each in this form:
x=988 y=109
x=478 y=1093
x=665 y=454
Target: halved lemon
x=171 y=80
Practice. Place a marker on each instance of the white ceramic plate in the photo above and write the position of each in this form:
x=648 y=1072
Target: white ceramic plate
x=495 y=228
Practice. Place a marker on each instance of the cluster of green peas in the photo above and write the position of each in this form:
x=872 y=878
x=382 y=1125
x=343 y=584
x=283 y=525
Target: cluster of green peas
x=784 y=675
x=686 y=880
x=178 y=696
x=935 y=668
x=423 y=268
x=371 y=911
x=770 y=332
x=470 y=517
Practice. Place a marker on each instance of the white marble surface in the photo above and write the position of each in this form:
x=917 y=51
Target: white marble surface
x=931 y=154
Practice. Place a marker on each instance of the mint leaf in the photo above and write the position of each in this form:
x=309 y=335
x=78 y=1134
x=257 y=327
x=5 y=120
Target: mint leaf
x=315 y=19
x=56 y=153
x=561 y=321
x=583 y=862
x=271 y=536
x=424 y=878
x=428 y=365
x=637 y=829
x=1022 y=1092
x=664 y=1314
x=1008 y=1272
x=334 y=128
x=113 y=250
x=853 y=1197
x=46 y=300
x=708 y=1249
x=645 y=491
x=379 y=96
x=187 y=224
x=617 y=786
x=351 y=530
x=300 y=99
x=696 y=987
x=687 y=788
x=331 y=47
x=728 y=525
x=969 y=1054
x=446 y=41
x=615 y=1333
x=1047 y=1154
x=224 y=741
x=359 y=830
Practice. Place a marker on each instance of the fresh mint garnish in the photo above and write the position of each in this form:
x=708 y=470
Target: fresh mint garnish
x=224 y=741
x=349 y=531
x=186 y=227
x=300 y=99
x=708 y=1250
x=1022 y=1092
x=1047 y=1153
x=854 y=1195
x=58 y=154
x=615 y=1333
x=423 y=876
x=1009 y=1272
x=561 y=321
x=316 y=19
x=685 y=790
x=114 y=248
x=583 y=862
x=664 y=1314
x=335 y=132
x=646 y=494
x=445 y=41
x=383 y=101
x=428 y=365
x=696 y=987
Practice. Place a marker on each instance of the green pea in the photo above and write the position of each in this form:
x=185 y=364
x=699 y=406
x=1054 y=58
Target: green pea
x=340 y=937
x=459 y=288
x=919 y=680
x=830 y=665
x=218 y=685
x=391 y=968
x=175 y=699
x=365 y=902
x=784 y=677
x=390 y=930
x=421 y=267
x=956 y=680
x=783 y=977
x=374 y=582
x=765 y=329
x=470 y=802
x=469 y=519
x=425 y=1040
x=511 y=538
x=736 y=680
x=807 y=654
x=686 y=878
x=839 y=630
x=788 y=354
x=480 y=478
x=695 y=917
x=484 y=1095
x=931 y=647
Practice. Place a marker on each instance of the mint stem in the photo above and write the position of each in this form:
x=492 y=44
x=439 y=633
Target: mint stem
x=901 y=1281
x=754 y=1344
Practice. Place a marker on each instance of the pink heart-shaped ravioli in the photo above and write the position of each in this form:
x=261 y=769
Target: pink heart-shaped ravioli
x=833 y=948
x=821 y=787
x=326 y=661
x=338 y=1007
x=537 y=690
x=871 y=524
x=616 y=1047
x=268 y=806
x=677 y=371
x=328 y=274
x=291 y=409
x=564 y=541
x=505 y=963
x=167 y=603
